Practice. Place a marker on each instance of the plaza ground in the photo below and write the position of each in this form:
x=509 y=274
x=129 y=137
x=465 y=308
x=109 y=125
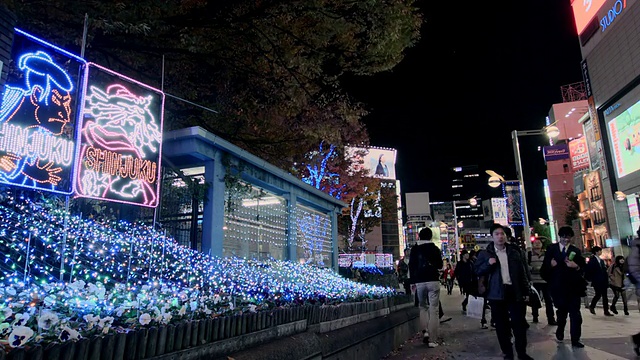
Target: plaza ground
x=605 y=338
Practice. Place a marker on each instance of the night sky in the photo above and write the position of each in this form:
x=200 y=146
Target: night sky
x=480 y=70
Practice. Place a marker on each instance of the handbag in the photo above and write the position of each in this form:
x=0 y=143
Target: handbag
x=535 y=301
x=475 y=307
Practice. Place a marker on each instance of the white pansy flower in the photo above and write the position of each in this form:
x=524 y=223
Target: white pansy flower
x=20 y=336
x=145 y=319
x=106 y=321
x=91 y=320
x=68 y=333
x=193 y=305
x=50 y=300
x=166 y=317
x=183 y=310
x=5 y=328
x=100 y=293
x=21 y=319
x=216 y=298
x=10 y=291
x=6 y=313
x=252 y=308
x=47 y=319
x=92 y=288
x=77 y=285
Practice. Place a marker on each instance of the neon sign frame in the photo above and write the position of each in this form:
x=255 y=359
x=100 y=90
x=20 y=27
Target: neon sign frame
x=37 y=152
x=118 y=125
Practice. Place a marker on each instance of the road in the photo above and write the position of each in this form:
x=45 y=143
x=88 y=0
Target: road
x=606 y=338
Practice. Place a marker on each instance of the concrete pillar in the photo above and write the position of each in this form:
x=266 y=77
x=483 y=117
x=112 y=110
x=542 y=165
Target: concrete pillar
x=213 y=217
x=292 y=227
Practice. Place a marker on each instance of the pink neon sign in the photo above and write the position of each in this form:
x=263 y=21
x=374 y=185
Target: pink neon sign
x=121 y=139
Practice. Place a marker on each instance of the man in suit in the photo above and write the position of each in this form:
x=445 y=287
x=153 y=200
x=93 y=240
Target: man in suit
x=562 y=269
x=596 y=272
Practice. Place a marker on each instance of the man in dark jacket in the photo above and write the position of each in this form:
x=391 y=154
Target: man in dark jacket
x=562 y=269
x=425 y=263
x=463 y=273
x=507 y=291
x=596 y=272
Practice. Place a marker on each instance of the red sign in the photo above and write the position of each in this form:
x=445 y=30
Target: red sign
x=579 y=154
x=584 y=11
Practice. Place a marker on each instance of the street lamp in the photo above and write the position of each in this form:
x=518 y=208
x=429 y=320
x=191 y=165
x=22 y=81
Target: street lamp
x=551 y=131
x=459 y=224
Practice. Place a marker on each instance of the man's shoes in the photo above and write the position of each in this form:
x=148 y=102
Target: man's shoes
x=524 y=357
x=613 y=309
x=508 y=357
x=626 y=312
x=552 y=323
x=592 y=310
x=608 y=314
x=484 y=326
x=559 y=335
x=577 y=344
x=444 y=320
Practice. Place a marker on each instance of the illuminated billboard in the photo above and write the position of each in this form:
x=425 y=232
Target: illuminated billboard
x=379 y=162
x=579 y=153
x=624 y=136
x=512 y=193
x=584 y=11
x=121 y=139
x=38 y=116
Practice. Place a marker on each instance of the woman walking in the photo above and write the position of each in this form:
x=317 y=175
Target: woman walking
x=448 y=278
x=616 y=282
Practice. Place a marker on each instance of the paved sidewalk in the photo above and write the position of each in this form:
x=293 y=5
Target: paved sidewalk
x=606 y=338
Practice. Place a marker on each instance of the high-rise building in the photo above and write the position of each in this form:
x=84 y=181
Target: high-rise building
x=467 y=184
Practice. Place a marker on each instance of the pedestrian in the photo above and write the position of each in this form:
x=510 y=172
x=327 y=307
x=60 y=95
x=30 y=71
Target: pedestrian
x=563 y=269
x=425 y=263
x=616 y=282
x=464 y=274
x=596 y=273
x=633 y=264
x=402 y=271
x=448 y=278
x=536 y=258
x=507 y=290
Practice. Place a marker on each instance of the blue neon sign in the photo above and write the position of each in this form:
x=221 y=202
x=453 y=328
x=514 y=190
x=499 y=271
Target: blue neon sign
x=38 y=116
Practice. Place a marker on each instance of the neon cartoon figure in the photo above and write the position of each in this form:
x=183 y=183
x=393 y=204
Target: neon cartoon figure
x=34 y=144
x=119 y=131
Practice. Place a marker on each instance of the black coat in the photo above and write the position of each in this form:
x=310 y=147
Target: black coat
x=564 y=282
x=517 y=272
x=596 y=272
x=425 y=263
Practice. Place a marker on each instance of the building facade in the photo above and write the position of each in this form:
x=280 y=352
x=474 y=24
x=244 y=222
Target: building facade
x=610 y=46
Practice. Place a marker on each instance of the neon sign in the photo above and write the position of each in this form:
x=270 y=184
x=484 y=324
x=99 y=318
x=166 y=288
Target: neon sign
x=37 y=116
x=617 y=8
x=121 y=139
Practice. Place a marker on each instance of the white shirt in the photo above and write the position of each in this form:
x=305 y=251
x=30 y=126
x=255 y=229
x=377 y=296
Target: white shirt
x=504 y=265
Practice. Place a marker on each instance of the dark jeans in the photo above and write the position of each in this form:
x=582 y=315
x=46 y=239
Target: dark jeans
x=571 y=307
x=618 y=293
x=543 y=289
x=600 y=293
x=508 y=316
x=449 y=284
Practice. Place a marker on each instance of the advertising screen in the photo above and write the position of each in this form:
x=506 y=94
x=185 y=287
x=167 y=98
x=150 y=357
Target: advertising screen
x=380 y=163
x=584 y=11
x=121 y=139
x=515 y=214
x=38 y=115
x=624 y=139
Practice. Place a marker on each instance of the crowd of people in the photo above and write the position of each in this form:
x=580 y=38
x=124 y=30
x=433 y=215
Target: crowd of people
x=511 y=280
